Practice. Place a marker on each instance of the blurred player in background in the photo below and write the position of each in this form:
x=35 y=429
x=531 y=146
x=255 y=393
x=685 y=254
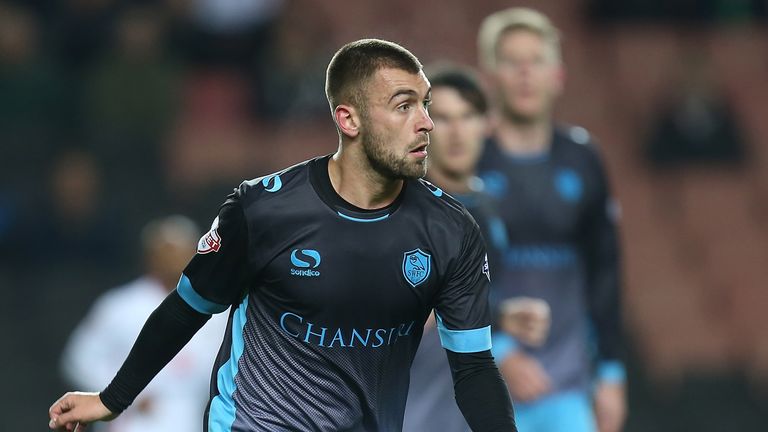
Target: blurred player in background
x=176 y=398
x=555 y=201
x=330 y=269
x=459 y=110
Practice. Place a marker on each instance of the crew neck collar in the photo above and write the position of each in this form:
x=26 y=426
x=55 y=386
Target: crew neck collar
x=321 y=182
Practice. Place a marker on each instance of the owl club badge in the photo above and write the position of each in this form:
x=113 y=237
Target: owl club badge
x=417 y=265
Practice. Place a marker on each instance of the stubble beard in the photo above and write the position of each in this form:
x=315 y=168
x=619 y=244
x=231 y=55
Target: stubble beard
x=386 y=163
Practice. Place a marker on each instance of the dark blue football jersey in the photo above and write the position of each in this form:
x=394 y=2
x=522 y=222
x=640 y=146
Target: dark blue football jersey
x=431 y=390
x=562 y=247
x=328 y=300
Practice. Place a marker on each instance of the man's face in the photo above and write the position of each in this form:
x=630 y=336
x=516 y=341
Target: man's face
x=528 y=75
x=395 y=124
x=457 y=140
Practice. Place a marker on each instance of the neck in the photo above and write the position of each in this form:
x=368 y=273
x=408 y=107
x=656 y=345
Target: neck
x=454 y=184
x=524 y=138
x=355 y=180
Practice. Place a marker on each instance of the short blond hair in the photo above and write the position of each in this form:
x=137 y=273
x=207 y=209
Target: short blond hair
x=497 y=24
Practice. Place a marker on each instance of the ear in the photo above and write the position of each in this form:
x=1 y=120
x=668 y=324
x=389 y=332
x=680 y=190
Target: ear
x=347 y=120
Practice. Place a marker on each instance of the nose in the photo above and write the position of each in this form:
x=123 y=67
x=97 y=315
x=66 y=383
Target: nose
x=425 y=123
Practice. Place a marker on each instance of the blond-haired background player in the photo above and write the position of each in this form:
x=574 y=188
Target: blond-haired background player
x=554 y=198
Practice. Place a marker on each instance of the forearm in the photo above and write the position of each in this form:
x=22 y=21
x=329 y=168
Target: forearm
x=165 y=333
x=604 y=284
x=480 y=391
x=604 y=300
x=605 y=311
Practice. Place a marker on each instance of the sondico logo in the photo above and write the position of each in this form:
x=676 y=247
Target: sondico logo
x=309 y=258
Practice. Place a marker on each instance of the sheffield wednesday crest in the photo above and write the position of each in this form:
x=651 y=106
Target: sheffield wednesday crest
x=417 y=265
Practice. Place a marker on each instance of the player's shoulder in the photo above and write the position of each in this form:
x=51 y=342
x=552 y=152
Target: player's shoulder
x=479 y=193
x=441 y=206
x=274 y=185
x=577 y=141
x=575 y=136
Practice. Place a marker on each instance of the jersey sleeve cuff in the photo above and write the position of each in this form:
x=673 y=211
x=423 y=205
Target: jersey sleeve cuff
x=109 y=404
x=195 y=300
x=464 y=341
x=503 y=346
x=611 y=371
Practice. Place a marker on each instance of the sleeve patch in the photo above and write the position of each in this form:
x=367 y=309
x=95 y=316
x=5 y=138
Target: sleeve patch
x=211 y=241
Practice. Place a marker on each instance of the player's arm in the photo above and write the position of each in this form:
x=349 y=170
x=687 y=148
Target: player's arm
x=463 y=322
x=601 y=246
x=214 y=279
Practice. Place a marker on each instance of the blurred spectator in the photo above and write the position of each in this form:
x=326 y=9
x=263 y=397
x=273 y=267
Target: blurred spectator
x=175 y=399
x=131 y=98
x=214 y=142
x=135 y=88
x=71 y=227
x=31 y=112
x=62 y=252
x=80 y=26
x=292 y=74
x=233 y=16
x=229 y=32
x=696 y=125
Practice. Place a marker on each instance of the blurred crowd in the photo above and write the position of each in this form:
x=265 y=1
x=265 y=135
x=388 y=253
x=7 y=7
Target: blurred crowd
x=106 y=94
x=114 y=112
x=99 y=102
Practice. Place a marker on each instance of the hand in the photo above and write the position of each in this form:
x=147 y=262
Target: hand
x=525 y=377
x=527 y=319
x=610 y=406
x=73 y=411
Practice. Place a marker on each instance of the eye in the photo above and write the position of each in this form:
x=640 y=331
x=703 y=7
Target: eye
x=404 y=107
x=427 y=103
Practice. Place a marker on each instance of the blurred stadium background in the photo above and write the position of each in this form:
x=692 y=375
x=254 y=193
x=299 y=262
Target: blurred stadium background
x=115 y=112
